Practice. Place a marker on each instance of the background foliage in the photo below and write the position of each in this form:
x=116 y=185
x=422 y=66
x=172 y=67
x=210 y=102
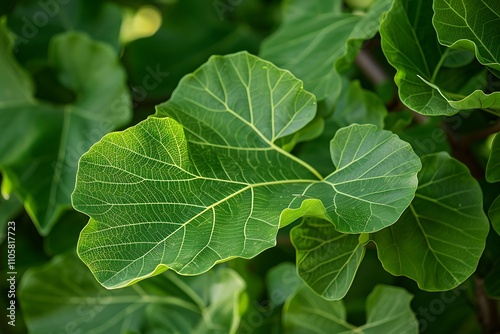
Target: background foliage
x=358 y=72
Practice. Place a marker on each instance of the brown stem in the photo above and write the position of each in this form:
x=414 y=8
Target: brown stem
x=487 y=311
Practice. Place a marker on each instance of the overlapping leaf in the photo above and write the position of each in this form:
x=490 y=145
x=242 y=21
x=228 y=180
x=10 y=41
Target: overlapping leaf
x=411 y=46
x=313 y=44
x=164 y=196
x=354 y=105
x=43 y=142
x=326 y=260
x=388 y=311
x=472 y=25
x=62 y=296
x=439 y=239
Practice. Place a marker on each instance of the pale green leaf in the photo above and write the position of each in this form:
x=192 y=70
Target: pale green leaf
x=219 y=187
x=327 y=260
x=410 y=45
x=439 y=239
x=388 y=311
x=43 y=142
x=472 y=25
x=493 y=166
x=62 y=296
x=313 y=45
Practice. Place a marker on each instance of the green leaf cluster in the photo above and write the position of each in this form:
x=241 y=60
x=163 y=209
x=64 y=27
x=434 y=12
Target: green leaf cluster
x=251 y=166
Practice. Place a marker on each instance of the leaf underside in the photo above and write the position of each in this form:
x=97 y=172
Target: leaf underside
x=161 y=195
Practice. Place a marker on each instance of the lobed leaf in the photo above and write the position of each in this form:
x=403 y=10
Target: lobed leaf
x=161 y=195
x=439 y=239
x=388 y=311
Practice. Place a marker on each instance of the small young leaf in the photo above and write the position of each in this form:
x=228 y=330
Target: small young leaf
x=62 y=296
x=219 y=186
x=327 y=260
x=388 y=311
x=462 y=24
x=439 y=239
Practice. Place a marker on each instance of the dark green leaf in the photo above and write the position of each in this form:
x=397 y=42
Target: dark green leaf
x=43 y=142
x=314 y=45
x=63 y=296
x=327 y=260
x=410 y=44
x=439 y=239
x=493 y=166
x=222 y=188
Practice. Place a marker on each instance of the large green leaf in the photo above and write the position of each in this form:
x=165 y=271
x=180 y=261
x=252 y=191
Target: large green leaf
x=472 y=25
x=327 y=260
x=43 y=142
x=62 y=296
x=388 y=311
x=314 y=44
x=220 y=186
x=410 y=44
x=439 y=239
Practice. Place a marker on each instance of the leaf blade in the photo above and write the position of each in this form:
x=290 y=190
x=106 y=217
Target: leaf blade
x=443 y=231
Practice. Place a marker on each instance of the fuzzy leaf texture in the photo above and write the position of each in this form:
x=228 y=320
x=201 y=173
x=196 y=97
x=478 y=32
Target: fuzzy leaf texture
x=215 y=183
